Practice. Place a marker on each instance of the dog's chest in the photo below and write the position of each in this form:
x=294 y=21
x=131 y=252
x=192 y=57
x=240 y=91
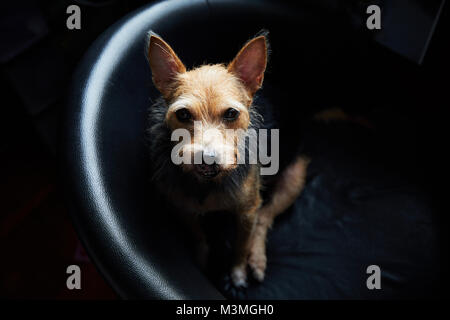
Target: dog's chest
x=217 y=201
x=242 y=197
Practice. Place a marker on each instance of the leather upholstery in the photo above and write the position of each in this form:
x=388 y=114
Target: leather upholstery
x=105 y=150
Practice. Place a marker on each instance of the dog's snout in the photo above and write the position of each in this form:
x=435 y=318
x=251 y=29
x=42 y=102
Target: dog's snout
x=207 y=170
x=209 y=156
x=208 y=167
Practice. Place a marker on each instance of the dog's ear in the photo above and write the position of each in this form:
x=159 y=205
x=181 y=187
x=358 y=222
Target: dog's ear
x=250 y=63
x=165 y=65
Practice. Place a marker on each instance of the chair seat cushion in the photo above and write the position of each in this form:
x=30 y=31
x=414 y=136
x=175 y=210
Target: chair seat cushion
x=358 y=209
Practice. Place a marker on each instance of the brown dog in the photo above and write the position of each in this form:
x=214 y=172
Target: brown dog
x=217 y=97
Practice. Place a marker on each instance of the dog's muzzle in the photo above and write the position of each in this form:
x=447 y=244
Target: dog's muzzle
x=207 y=170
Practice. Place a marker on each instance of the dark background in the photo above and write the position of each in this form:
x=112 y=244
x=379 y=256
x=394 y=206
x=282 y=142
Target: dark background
x=37 y=58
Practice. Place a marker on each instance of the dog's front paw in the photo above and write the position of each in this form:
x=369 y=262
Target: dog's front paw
x=257 y=262
x=239 y=276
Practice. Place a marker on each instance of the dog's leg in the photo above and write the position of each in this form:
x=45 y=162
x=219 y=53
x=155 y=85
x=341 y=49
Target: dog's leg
x=192 y=222
x=287 y=188
x=201 y=244
x=245 y=225
x=246 y=219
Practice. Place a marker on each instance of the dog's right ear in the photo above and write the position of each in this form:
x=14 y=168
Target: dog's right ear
x=165 y=65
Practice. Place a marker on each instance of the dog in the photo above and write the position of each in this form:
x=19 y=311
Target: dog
x=219 y=97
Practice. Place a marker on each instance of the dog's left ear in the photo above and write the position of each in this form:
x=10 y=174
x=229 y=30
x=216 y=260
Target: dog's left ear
x=250 y=63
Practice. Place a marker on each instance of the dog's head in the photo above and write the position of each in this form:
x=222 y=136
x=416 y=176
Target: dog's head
x=210 y=103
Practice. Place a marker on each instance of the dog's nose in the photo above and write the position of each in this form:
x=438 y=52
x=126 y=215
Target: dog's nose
x=209 y=156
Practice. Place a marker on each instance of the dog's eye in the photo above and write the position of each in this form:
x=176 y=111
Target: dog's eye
x=231 y=114
x=183 y=115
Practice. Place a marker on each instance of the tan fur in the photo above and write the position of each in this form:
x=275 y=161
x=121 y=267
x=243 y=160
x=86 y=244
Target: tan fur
x=339 y=115
x=199 y=88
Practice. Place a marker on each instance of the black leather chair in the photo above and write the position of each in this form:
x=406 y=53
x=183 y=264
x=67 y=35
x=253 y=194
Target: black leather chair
x=347 y=219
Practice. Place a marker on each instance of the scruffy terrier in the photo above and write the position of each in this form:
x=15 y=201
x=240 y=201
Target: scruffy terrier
x=217 y=97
